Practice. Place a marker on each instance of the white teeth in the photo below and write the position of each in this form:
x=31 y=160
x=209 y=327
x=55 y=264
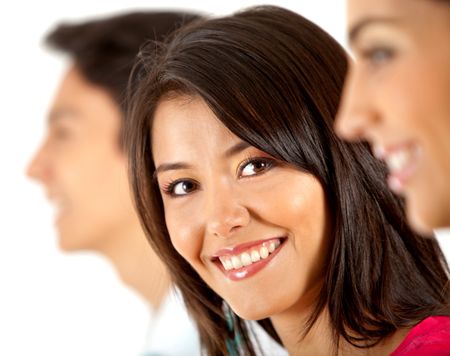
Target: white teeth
x=271 y=246
x=398 y=160
x=58 y=205
x=228 y=265
x=236 y=262
x=378 y=151
x=255 y=256
x=264 y=252
x=249 y=257
x=246 y=259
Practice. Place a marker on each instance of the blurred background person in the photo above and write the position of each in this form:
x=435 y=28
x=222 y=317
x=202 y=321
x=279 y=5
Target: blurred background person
x=83 y=168
x=397 y=97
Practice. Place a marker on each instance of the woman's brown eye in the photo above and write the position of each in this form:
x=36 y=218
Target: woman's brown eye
x=255 y=166
x=182 y=187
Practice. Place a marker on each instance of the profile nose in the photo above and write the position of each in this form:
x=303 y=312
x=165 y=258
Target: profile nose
x=38 y=168
x=356 y=114
x=226 y=213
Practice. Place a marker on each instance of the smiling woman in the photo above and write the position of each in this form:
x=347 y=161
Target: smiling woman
x=256 y=206
x=397 y=97
x=221 y=188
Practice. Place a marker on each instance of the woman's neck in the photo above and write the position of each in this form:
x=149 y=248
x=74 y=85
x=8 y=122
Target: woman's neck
x=320 y=339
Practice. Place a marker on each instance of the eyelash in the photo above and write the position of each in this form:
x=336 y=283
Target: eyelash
x=170 y=187
x=269 y=162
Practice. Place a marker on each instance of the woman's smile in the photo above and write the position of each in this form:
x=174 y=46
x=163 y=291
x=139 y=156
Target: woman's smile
x=247 y=259
x=402 y=161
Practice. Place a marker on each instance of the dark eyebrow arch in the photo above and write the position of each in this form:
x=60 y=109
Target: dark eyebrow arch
x=357 y=28
x=171 y=167
x=233 y=150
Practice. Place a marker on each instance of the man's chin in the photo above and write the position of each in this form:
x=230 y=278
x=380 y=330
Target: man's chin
x=68 y=241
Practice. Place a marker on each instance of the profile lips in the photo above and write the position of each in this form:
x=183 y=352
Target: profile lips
x=401 y=162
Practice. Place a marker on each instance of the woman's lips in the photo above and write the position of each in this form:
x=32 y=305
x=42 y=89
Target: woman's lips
x=245 y=260
x=402 y=161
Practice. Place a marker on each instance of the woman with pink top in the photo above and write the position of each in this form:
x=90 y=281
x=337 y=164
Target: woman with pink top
x=258 y=209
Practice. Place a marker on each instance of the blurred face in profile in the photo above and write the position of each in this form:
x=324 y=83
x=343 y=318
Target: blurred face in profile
x=397 y=96
x=82 y=167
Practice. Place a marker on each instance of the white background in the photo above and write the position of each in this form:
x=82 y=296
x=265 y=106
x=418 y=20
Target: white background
x=50 y=303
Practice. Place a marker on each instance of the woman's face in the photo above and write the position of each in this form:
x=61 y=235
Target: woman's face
x=254 y=228
x=397 y=96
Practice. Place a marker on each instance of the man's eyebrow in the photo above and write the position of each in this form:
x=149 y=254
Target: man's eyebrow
x=356 y=29
x=58 y=114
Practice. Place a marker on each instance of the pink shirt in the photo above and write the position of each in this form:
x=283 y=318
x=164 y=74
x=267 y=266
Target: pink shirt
x=431 y=337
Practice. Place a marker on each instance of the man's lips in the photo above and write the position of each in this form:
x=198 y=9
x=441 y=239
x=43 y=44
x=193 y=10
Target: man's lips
x=60 y=205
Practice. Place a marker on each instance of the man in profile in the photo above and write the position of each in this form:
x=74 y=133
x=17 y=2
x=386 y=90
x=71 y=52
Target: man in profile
x=83 y=167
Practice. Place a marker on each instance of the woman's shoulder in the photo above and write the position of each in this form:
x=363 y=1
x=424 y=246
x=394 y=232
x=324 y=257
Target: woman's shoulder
x=430 y=337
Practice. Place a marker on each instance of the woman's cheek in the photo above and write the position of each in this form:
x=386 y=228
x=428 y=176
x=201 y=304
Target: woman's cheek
x=185 y=233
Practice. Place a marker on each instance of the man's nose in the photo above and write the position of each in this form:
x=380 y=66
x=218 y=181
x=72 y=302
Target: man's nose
x=39 y=168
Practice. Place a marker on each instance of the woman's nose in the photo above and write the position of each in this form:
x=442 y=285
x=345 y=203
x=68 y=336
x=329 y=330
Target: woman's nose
x=357 y=112
x=226 y=212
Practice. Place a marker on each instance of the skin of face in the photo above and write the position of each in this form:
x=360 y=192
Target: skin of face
x=397 y=96
x=82 y=167
x=214 y=199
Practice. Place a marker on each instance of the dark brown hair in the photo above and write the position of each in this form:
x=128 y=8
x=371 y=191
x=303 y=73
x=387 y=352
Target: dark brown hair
x=274 y=79
x=105 y=49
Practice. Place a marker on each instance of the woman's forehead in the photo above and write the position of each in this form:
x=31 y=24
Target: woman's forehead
x=184 y=127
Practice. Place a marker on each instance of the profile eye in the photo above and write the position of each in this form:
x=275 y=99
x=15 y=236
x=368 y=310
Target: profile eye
x=254 y=167
x=60 y=133
x=378 y=56
x=381 y=56
x=182 y=187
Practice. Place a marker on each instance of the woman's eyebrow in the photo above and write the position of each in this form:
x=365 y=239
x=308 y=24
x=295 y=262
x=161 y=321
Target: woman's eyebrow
x=235 y=149
x=356 y=29
x=172 y=166
x=164 y=167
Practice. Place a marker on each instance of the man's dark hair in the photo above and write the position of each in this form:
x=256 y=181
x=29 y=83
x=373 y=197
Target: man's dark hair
x=104 y=50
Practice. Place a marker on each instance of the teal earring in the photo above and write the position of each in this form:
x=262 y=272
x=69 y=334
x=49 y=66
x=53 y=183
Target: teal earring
x=233 y=345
